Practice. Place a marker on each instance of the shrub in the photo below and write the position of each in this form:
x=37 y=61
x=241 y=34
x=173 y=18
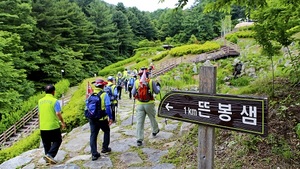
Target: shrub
x=241 y=81
x=233 y=39
x=160 y=56
x=240 y=34
x=194 y=49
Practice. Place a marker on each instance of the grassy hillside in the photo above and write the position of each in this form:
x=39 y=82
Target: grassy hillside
x=281 y=148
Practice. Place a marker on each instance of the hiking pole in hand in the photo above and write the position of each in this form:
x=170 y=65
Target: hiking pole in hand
x=116 y=110
x=133 y=111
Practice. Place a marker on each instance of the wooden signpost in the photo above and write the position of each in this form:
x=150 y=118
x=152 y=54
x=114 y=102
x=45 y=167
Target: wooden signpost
x=210 y=110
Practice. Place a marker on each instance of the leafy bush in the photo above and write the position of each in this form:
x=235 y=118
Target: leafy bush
x=241 y=34
x=160 y=56
x=241 y=81
x=147 y=43
x=144 y=63
x=139 y=55
x=245 y=28
x=233 y=39
x=140 y=59
x=194 y=49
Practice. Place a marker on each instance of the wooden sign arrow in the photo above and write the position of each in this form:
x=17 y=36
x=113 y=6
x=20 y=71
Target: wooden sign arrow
x=240 y=113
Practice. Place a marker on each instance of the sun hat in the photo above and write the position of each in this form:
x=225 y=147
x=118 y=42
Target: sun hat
x=110 y=78
x=100 y=82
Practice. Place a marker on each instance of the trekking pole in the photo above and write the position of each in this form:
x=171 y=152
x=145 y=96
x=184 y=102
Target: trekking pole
x=133 y=111
x=116 y=110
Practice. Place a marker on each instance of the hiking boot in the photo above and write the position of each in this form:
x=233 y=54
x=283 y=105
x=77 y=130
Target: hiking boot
x=95 y=157
x=49 y=159
x=106 y=150
x=154 y=134
x=139 y=143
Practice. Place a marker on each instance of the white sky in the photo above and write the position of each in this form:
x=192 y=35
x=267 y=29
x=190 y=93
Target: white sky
x=148 y=5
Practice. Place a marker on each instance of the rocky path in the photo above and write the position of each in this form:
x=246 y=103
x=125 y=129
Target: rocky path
x=74 y=152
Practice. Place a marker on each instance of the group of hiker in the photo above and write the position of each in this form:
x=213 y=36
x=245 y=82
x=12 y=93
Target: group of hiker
x=101 y=107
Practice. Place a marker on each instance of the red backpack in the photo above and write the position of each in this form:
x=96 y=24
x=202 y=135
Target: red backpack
x=144 y=93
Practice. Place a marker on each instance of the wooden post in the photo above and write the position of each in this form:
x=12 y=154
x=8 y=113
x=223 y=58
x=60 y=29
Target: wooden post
x=206 y=135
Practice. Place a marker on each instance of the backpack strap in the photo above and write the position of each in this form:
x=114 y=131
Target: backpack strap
x=100 y=93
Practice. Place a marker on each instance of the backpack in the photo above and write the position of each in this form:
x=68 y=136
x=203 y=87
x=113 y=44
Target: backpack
x=238 y=68
x=131 y=82
x=93 y=107
x=119 y=82
x=112 y=94
x=144 y=93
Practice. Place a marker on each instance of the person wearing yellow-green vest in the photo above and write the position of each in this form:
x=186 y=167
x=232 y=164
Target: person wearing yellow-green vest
x=112 y=91
x=125 y=79
x=50 y=121
x=135 y=71
x=145 y=108
x=119 y=84
x=103 y=123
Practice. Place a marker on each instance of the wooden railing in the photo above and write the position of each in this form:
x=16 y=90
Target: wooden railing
x=22 y=122
x=14 y=129
x=232 y=45
x=163 y=68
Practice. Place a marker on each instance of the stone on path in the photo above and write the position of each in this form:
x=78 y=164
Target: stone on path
x=130 y=158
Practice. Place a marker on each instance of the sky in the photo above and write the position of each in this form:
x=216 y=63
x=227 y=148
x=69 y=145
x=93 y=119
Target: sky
x=148 y=5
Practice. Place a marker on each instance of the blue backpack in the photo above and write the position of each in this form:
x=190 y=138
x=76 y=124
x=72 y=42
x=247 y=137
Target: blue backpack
x=93 y=107
x=131 y=82
x=113 y=95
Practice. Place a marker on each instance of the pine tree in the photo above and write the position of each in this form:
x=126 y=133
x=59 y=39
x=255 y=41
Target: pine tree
x=14 y=87
x=62 y=29
x=125 y=34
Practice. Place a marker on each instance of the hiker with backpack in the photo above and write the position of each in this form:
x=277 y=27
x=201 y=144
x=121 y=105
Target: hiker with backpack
x=125 y=79
x=151 y=67
x=119 y=84
x=99 y=114
x=112 y=92
x=131 y=81
x=143 y=91
x=237 y=69
x=135 y=71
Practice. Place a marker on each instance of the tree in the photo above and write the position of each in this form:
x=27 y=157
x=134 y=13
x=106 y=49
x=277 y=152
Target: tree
x=276 y=25
x=168 y=24
x=141 y=24
x=205 y=26
x=104 y=42
x=61 y=25
x=14 y=87
x=221 y=4
x=125 y=34
x=16 y=17
x=120 y=7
